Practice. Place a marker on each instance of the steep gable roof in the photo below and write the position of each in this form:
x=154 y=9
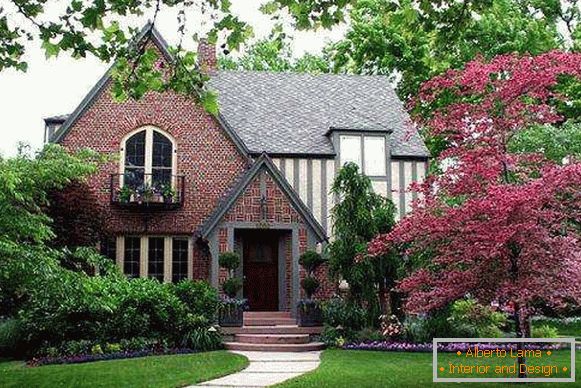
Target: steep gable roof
x=69 y=120
x=293 y=113
x=262 y=163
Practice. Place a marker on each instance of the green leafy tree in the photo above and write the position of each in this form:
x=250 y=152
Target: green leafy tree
x=358 y=218
x=412 y=41
x=557 y=143
x=25 y=184
x=275 y=54
x=105 y=29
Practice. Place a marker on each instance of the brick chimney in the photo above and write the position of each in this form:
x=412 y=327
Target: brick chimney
x=207 y=56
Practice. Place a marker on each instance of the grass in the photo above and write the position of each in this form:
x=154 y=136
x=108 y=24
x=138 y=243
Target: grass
x=570 y=329
x=155 y=371
x=351 y=368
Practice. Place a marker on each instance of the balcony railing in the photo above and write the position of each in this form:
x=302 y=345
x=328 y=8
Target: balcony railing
x=147 y=191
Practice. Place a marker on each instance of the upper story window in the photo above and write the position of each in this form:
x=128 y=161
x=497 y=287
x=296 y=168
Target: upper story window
x=367 y=151
x=148 y=158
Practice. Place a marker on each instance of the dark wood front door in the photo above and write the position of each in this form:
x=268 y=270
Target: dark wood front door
x=261 y=270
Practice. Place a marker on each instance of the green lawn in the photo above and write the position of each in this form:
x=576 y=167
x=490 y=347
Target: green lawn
x=350 y=368
x=155 y=371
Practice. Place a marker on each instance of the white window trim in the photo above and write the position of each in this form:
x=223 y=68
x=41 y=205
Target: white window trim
x=167 y=255
x=149 y=130
x=362 y=137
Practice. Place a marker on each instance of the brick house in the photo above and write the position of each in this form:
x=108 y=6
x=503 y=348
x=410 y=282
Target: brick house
x=184 y=186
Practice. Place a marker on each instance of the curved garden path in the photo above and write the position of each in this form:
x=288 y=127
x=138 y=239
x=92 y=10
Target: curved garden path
x=268 y=368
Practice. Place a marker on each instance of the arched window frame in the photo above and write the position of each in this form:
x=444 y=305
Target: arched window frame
x=149 y=131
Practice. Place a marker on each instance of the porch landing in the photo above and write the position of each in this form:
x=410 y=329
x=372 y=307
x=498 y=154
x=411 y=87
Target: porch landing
x=272 y=331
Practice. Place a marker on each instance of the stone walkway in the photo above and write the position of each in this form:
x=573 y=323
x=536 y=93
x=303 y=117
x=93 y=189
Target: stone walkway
x=267 y=368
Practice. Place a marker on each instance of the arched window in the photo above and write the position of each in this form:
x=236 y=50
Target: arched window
x=148 y=159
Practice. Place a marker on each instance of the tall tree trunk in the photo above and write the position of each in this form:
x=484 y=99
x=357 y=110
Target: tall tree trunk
x=520 y=333
x=384 y=298
x=519 y=313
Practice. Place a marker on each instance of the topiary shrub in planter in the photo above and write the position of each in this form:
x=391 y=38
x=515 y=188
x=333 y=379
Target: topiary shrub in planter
x=231 y=287
x=231 y=308
x=310 y=313
x=308 y=310
x=232 y=312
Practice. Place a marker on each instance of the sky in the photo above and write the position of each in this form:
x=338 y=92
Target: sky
x=56 y=86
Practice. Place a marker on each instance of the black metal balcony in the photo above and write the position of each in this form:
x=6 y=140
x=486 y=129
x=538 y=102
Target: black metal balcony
x=147 y=192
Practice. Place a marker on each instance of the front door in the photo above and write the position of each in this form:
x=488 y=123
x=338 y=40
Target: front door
x=260 y=252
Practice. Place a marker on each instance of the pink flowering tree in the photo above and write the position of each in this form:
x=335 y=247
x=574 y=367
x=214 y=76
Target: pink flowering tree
x=497 y=225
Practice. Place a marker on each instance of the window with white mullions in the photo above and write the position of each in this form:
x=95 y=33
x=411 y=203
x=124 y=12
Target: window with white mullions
x=374 y=156
x=161 y=164
x=366 y=151
x=179 y=259
x=155 y=255
x=132 y=256
x=149 y=159
x=135 y=160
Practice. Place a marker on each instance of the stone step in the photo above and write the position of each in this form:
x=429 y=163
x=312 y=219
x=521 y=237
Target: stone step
x=290 y=329
x=272 y=338
x=267 y=314
x=269 y=321
x=243 y=346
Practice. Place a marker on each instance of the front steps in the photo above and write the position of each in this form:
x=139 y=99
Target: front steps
x=274 y=331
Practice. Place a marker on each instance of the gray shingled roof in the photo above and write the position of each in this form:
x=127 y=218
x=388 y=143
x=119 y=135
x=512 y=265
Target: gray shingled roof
x=290 y=113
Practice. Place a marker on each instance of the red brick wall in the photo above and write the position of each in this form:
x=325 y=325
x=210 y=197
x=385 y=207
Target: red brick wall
x=278 y=210
x=205 y=155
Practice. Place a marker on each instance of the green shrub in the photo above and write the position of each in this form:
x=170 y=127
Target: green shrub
x=339 y=313
x=311 y=260
x=424 y=328
x=229 y=260
x=342 y=321
x=368 y=334
x=147 y=308
x=10 y=336
x=545 y=331
x=73 y=348
x=470 y=319
x=310 y=285
x=231 y=286
x=199 y=297
x=336 y=336
x=203 y=339
x=139 y=343
x=112 y=348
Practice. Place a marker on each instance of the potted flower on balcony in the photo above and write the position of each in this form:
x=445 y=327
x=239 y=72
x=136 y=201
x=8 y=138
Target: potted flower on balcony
x=126 y=194
x=168 y=193
x=231 y=308
x=309 y=309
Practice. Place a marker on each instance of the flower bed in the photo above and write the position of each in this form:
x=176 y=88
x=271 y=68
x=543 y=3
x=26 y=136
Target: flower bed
x=394 y=346
x=102 y=357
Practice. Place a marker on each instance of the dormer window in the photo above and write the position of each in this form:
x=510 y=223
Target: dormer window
x=367 y=151
x=148 y=159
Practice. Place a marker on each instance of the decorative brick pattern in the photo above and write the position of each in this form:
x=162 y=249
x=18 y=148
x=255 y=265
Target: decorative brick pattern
x=276 y=209
x=205 y=155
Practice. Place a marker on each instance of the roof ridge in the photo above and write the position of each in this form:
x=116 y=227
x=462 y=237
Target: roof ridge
x=303 y=73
